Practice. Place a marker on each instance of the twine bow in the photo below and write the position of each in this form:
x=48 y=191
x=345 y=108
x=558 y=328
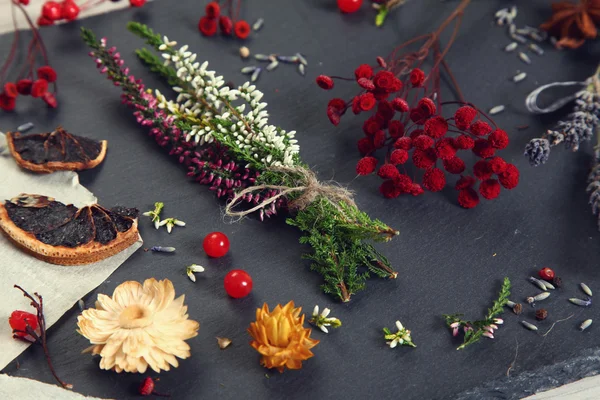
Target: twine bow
x=308 y=185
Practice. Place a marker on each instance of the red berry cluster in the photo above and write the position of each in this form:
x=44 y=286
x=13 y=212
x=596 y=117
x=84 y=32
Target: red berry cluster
x=208 y=23
x=28 y=87
x=420 y=128
x=67 y=10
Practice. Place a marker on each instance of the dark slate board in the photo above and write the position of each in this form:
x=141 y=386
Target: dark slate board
x=449 y=259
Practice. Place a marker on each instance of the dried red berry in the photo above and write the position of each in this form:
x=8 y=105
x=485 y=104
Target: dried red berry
x=510 y=177
x=422 y=142
x=384 y=80
x=416 y=189
x=334 y=116
x=372 y=125
x=50 y=100
x=380 y=60
x=546 y=273
x=7 y=103
x=325 y=82
x=147 y=387
x=464 y=142
x=468 y=198
x=69 y=10
x=212 y=10
x=379 y=139
x=483 y=149
x=356 y=105
x=424 y=159
x=337 y=104
x=10 y=89
x=434 y=180
x=396 y=128
x=464 y=116
x=427 y=105
x=47 y=72
x=465 y=182
x=399 y=156
x=418 y=116
x=39 y=87
x=404 y=183
x=24 y=86
x=365 y=146
x=19 y=320
x=385 y=110
x=396 y=85
x=366 y=84
x=497 y=165
x=416 y=133
x=480 y=128
x=489 y=189
x=400 y=105
x=417 y=77
x=367 y=101
x=454 y=165
x=388 y=171
x=541 y=314
x=363 y=71
x=498 y=139
x=445 y=149
x=137 y=3
x=225 y=25
x=366 y=165
x=207 y=26
x=404 y=143
x=436 y=127
x=43 y=21
x=241 y=29
x=482 y=170
x=51 y=10
x=390 y=190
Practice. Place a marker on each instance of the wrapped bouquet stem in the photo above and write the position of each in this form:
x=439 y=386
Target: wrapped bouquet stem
x=222 y=136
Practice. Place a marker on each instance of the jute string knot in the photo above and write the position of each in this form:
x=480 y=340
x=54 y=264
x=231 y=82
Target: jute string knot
x=307 y=184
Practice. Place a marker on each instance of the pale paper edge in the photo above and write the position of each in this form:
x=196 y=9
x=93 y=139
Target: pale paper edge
x=28 y=389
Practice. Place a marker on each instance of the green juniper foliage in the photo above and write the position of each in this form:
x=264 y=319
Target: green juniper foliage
x=475 y=329
x=340 y=234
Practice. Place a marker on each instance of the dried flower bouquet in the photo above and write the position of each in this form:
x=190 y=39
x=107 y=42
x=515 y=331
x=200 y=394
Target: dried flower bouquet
x=253 y=165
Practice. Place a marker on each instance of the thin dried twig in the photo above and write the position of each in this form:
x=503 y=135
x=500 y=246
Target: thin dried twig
x=560 y=320
x=512 y=364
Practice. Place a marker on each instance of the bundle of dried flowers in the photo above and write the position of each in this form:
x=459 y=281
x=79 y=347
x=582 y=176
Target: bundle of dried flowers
x=140 y=326
x=413 y=120
x=227 y=19
x=281 y=338
x=245 y=159
x=573 y=23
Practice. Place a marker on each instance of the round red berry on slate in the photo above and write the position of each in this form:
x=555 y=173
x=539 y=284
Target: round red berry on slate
x=212 y=9
x=497 y=164
x=399 y=156
x=390 y=190
x=434 y=180
x=51 y=10
x=367 y=101
x=39 y=87
x=349 y=6
x=480 y=128
x=445 y=149
x=388 y=171
x=147 y=387
x=216 y=244
x=47 y=72
x=436 y=127
x=424 y=159
x=207 y=26
x=237 y=283
x=464 y=182
x=483 y=149
x=400 y=105
x=454 y=165
x=510 y=177
x=363 y=71
x=384 y=80
x=365 y=146
x=7 y=103
x=482 y=170
x=396 y=128
x=325 y=82
x=404 y=143
x=366 y=165
x=463 y=117
x=464 y=142
x=422 y=142
x=10 y=89
x=489 y=189
x=241 y=29
x=19 y=320
x=498 y=139
x=225 y=25
x=546 y=274
x=468 y=198
x=417 y=77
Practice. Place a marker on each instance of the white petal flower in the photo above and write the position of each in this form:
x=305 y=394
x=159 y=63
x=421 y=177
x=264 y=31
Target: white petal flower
x=325 y=312
x=315 y=311
x=324 y=329
x=399 y=325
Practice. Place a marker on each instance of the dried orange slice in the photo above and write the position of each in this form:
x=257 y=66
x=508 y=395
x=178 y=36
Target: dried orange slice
x=55 y=151
x=63 y=234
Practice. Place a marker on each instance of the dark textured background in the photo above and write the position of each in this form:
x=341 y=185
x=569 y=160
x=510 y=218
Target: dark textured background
x=449 y=259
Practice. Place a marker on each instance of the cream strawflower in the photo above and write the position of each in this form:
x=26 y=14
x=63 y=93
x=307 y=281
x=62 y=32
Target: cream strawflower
x=139 y=326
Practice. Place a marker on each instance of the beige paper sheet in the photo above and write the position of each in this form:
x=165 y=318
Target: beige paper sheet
x=60 y=286
x=28 y=389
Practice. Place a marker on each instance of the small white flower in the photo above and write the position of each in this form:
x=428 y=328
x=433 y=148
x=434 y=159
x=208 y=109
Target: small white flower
x=325 y=312
x=315 y=311
x=399 y=325
x=192 y=269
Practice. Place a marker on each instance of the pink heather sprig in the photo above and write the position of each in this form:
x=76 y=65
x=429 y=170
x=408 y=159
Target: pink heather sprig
x=209 y=164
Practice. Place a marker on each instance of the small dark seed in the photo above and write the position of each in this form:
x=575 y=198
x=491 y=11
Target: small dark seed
x=557 y=281
x=518 y=308
x=541 y=314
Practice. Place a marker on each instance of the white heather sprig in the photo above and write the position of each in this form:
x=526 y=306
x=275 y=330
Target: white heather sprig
x=193 y=269
x=323 y=320
x=207 y=99
x=402 y=337
x=155 y=214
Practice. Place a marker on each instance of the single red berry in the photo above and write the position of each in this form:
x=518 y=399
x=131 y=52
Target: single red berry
x=363 y=71
x=334 y=116
x=39 y=87
x=366 y=165
x=417 y=77
x=510 y=177
x=225 y=25
x=396 y=85
x=464 y=142
x=69 y=11
x=399 y=156
x=43 y=21
x=388 y=171
x=337 y=104
x=396 y=128
x=454 y=165
x=422 y=142
x=51 y=10
x=367 y=101
x=480 y=128
x=434 y=180
x=390 y=190
x=24 y=86
x=436 y=127
x=418 y=116
x=213 y=10
x=325 y=82
x=483 y=149
x=365 y=146
x=463 y=117
x=497 y=164
x=147 y=387
x=404 y=143
x=19 y=320
x=465 y=182
x=489 y=189
x=546 y=274
x=482 y=170
x=468 y=198
x=216 y=244
x=424 y=159
x=7 y=103
x=10 y=89
x=379 y=139
x=416 y=189
x=498 y=139
x=241 y=29
x=445 y=149
x=50 y=99
x=237 y=283
x=400 y=105
x=137 y=3
x=47 y=72
x=366 y=84
x=349 y=6
x=207 y=26
x=384 y=80
x=427 y=106
x=385 y=110
x=372 y=125
x=404 y=183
